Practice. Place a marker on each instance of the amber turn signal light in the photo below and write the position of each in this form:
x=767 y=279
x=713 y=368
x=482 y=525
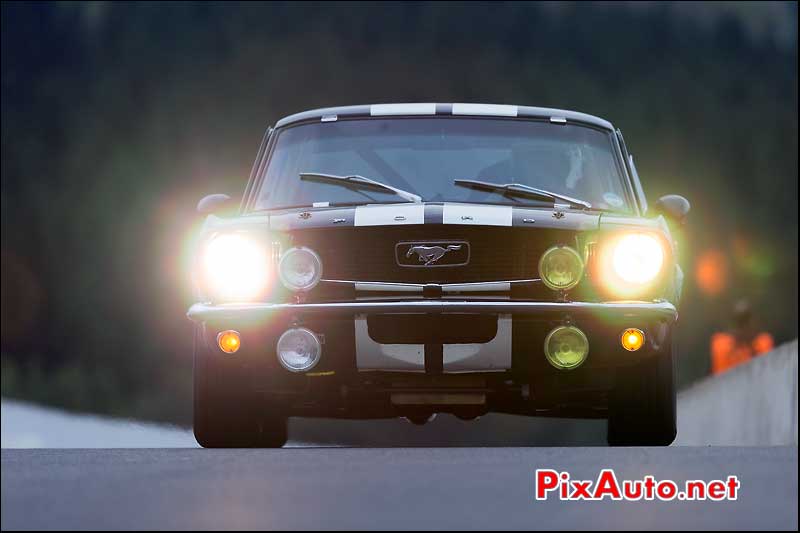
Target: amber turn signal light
x=632 y=339
x=229 y=341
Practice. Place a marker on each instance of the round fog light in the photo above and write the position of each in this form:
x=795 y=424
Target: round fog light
x=566 y=347
x=300 y=269
x=632 y=339
x=298 y=349
x=561 y=268
x=228 y=341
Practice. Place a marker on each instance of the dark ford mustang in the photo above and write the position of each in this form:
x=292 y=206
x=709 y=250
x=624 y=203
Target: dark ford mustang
x=400 y=260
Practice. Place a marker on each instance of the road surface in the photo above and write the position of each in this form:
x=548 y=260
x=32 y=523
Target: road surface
x=338 y=488
x=341 y=488
x=25 y=425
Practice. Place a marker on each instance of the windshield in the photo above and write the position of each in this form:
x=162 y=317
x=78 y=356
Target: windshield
x=424 y=155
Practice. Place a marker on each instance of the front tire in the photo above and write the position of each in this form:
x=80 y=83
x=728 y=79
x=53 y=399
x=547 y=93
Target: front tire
x=642 y=407
x=226 y=414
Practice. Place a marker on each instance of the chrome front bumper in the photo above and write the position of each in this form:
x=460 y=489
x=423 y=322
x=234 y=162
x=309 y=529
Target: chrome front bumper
x=662 y=311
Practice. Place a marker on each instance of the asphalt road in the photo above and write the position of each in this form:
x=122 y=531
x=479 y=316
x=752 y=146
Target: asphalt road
x=390 y=488
x=30 y=426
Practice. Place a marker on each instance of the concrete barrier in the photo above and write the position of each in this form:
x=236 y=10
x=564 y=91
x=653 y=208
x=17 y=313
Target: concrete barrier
x=754 y=404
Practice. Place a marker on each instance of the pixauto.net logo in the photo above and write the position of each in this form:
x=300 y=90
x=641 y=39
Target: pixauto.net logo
x=560 y=484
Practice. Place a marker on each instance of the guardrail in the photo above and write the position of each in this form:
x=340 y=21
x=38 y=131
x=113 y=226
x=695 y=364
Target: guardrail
x=754 y=404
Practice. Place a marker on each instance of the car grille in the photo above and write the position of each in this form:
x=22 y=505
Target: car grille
x=368 y=254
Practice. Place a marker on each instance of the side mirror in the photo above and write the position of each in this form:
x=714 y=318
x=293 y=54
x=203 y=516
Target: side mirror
x=213 y=204
x=674 y=207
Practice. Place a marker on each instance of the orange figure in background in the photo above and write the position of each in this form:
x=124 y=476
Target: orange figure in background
x=738 y=346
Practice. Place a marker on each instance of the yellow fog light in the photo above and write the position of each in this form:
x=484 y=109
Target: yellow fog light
x=561 y=268
x=632 y=339
x=566 y=347
x=229 y=341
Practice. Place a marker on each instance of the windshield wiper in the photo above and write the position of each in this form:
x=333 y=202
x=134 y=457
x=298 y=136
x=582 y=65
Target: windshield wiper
x=521 y=189
x=360 y=181
x=314 y=205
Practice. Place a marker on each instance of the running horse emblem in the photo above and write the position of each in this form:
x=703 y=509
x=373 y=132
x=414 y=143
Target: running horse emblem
x=431 y=254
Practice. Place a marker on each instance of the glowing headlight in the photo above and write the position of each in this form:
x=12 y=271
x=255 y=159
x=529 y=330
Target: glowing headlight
x=561 y=268
x=300 y=269
x=236 y=267
x=637 y=258
x=629 y=265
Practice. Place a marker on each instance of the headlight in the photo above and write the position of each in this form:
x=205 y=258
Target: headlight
x=630 y=263
x=236 y=267
x=561 y=268
x=300 y=269
x=638 y=258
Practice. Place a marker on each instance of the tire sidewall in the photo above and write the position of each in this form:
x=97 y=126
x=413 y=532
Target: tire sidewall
x=642 y=406
x=226 y=413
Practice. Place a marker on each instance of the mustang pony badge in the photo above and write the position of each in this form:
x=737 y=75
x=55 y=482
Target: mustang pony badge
x=423 y=254
x=431 y=254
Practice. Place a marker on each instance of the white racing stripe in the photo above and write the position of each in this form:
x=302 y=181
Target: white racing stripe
x=371 y=355
x=492 y=356
x=495 y=110
x=478 y=215
x=379 y=110
x=389 y=215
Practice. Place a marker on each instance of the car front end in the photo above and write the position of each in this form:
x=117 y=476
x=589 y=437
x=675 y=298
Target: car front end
x=408 y=304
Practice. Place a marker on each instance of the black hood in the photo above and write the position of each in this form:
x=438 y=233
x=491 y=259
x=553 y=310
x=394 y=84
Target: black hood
x=433 y=213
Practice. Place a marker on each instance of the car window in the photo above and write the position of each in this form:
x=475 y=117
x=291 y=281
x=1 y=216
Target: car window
x=425 y=155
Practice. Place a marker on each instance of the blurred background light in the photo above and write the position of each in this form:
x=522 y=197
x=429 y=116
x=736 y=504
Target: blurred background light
x=711 y=272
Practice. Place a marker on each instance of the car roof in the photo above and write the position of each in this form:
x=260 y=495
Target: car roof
x=330 y=114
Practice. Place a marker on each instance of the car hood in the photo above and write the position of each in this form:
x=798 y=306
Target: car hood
x=433 y=213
